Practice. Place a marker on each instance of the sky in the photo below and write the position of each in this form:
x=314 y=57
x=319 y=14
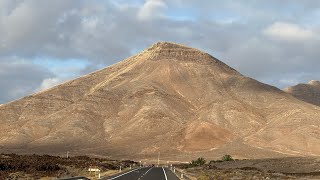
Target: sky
x=47 y=42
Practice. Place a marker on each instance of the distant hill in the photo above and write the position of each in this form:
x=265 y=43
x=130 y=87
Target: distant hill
x=306 y=92
x=169 y=98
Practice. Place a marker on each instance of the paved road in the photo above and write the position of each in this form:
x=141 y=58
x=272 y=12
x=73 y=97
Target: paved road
x=149 y=173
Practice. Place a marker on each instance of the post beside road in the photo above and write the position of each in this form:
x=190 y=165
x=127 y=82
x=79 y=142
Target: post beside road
x=180 y=173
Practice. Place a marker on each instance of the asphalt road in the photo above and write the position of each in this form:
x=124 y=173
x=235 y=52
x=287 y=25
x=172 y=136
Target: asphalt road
x=148 y=173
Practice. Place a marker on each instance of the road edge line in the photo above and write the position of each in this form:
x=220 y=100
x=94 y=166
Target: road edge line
x=124 y=174
x=164 y=172
x=148 y=171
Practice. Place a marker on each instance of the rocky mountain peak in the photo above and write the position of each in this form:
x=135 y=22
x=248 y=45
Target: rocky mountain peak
x=167 y=45
x=168 y=50
x=314 y=83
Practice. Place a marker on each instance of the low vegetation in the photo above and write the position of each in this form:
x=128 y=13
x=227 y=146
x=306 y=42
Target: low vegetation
x=227 y=157
x=275 y=168
x=14 y=166
x=198 y=162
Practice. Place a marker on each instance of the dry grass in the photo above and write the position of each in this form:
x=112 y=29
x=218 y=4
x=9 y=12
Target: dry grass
x=50 y=167
x=280 y=168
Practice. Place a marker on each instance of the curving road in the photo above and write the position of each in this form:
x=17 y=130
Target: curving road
x=148 y=173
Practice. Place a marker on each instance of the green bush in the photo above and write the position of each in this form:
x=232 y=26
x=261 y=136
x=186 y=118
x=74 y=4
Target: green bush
x=227 y=157
x=199 y=162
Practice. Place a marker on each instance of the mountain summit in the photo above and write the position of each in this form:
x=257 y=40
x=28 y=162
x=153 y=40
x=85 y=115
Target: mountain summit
x=169 y=98
x=309 y=92
x=314 y=83
x=163 y=50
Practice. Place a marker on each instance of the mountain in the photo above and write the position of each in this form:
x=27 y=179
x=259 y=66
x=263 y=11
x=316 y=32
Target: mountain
x=169 y=98
x=306 y=92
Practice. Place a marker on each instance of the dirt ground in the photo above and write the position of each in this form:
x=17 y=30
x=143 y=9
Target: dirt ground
x=13 y=166
x=280 y=168
x=47 y=167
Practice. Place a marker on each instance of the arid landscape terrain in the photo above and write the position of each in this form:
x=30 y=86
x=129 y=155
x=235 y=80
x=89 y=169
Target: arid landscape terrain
x=46 y=167
x=159 y=89
x=278 y=168
x=169 y=98
x=13 y=166
x=309 y=92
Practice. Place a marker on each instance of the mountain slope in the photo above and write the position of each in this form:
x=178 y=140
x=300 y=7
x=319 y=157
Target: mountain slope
x=306 y=92
x=169 y=98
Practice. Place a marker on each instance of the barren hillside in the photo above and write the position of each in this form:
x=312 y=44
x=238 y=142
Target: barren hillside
x=306 y=92
x=169 y=98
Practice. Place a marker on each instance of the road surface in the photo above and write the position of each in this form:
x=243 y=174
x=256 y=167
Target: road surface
x=147 y=173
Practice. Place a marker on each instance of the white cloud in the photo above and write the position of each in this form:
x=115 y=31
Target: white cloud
x=19 y=78
x=49 y=82
x=151 y=9
x=90 y=23
x=288 y=32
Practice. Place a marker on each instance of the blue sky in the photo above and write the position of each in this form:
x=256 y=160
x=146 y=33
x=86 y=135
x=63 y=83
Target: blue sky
x=44 y=43
x=65 y=68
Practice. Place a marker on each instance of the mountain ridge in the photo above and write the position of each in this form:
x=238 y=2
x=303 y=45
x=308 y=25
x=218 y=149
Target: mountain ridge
x=309 y=92
x=169 y=98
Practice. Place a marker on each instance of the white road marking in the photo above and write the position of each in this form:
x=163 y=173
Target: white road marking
x=148 y=171
x=145 y=173
x=123 y=174
x=165 y=175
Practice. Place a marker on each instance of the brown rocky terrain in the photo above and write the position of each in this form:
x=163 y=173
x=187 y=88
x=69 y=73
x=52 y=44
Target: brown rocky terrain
x=169 y=98
x=13 y=166
x=278 y=168
x=309 y=92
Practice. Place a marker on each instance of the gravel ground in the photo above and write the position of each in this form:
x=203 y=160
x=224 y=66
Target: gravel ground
x=280 y=168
